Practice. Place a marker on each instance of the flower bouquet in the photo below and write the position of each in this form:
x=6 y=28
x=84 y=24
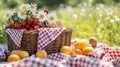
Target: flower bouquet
x=28 y=17
x=30 y=29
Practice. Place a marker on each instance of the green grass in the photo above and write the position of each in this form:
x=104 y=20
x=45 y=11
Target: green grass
x=99 y=21
x=92 y=21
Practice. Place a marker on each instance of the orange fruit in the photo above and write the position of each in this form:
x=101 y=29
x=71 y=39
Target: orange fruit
x=67 y=50
x=13 y=58
x=41 y=54
x=78 y=51
x=87 y=50
x=81 y=44
x=17 y=52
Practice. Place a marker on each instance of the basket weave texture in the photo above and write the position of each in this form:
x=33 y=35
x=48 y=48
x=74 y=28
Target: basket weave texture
x=30 y=39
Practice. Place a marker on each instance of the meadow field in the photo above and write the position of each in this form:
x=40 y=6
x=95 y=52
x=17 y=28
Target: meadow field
x=100 y=21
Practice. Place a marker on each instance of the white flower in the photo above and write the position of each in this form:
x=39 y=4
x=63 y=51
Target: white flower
x=24 y=7
x=82 y=10
x=99 y=21
x=32 y=7
x=112 y=21
x=52 y=18
x=1 y=28
x=90 y=15
x=100 y=15
x=22 y=15
x=41 y=16
x=7 y=14
x=74 y=16
x=117 y=19
x=1 y=35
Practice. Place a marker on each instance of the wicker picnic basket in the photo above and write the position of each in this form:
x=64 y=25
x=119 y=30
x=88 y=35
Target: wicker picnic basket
x=30 y=39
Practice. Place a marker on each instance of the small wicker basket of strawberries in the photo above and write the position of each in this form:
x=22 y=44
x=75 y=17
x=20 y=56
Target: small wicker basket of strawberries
x=26 y=28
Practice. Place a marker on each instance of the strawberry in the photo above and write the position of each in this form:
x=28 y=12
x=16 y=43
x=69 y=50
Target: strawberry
x=29 y=22
x=19 y=26
x=36 y=27
x=35 y=22
x=46 y=11
x=31 y=29
x=11 y=22
x=40 y=24
x=13 y=27
x=23 y=23
x=27 y=26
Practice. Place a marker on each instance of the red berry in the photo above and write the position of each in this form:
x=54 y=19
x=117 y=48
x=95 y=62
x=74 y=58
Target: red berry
x=11 y=22
x=19 y=26
x=31 y=29
x=46 y=11
x=36 y=27
x=23 y=23
x=27 y=26
x=13 y=27
x=35 y=22
x=29 y=22
x=40 y=24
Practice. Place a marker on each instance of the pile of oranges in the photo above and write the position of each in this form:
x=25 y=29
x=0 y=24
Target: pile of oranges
x=81 y=47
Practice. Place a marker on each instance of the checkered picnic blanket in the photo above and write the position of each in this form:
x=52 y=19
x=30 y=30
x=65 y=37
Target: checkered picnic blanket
x=3 y=52
x=103 y=56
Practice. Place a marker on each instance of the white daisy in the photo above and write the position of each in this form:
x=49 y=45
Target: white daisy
x=24 y=6
x=51 y=18
x=32 y=7
x=22 y=15
x=7 y=15
x=41 y=16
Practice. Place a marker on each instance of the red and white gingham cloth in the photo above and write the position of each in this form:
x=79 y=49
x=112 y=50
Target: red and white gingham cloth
x=57 y=56
x=68 y=61
x=34 y=62
x=103 y=56
x=3 y=52
x=47 y=35
x=15 y=35
x=84 y=61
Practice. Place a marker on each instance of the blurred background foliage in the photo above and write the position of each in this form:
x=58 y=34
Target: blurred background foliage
x=99 y=18
x=53 y=4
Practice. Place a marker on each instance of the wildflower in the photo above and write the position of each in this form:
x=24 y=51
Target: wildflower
x=51 y=18
x=22 y=15
x=7 y=15
x=32 y=7
x=41 y=16
x=74 y=16
x=24 y=7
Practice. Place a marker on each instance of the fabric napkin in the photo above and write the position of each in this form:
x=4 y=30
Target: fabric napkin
x=47 y=35
x=15 y=35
